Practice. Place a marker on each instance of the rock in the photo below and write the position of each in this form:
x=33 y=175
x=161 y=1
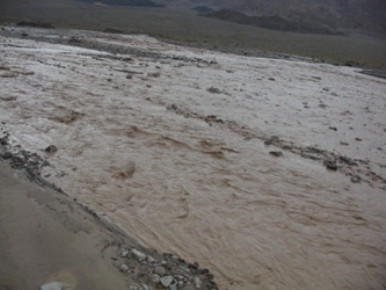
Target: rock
x=309 y=156
x=154 y=75
x=160 y=271
x=271 y=79
x=52 y=286
x=124 y=268
x=194 y=266
x=155 y=279
x=276 y=153
x=355 y=179
x=286 y=147
x=145 y=287
x=344 y=143
x=333 y=128
x=348 y=161
x=164 y=263
x=124 y=253
x=271 y=140
x=358 y=139
x=173 y=286
x=331 y=164
x=138 y=255
x=166 y=281
x=51 y=149
x=180 y=284
x=150 y=259
x=323 y=106
x=197 y=283
x=214 y=90
x=171 y=107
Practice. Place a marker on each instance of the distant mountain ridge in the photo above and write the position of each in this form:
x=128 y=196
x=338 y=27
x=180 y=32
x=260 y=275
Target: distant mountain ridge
x=365 y=15
x=272 y=22
x=145 y=3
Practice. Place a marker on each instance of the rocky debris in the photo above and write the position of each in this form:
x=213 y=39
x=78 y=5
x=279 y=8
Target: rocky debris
x=331 y=164
x=160 y=271
x=197 y=283
x=271 y=140
x=145 y=287
x=213 y=118
x=309 y=156
x=51 y=149
x=333 y=128
x=355 y=179
x=154 y=75
x=52 y=286
x=214 y=90
x=155 y=279
x=124 y=268
x=138 y=255
x=276 y=153
x=166 y=281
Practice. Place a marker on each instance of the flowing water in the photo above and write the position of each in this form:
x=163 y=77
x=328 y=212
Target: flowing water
x=137 y=146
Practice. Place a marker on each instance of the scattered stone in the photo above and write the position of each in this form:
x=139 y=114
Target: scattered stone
x=271 y=140
x=276 y=153
x=150 y=259
x=271 y=79
x=348 y=161
x=154 y=75
x=344 y=143
x=286 y=147
x=124 y=268
x=51 y=149
x=194 y=266
x=166 y=281
x=355 y=179
x=173 y=286
x=124 y=253
x=358 y=139
x=164 y=263
x=138 y=255
x=333 y=128
x=52 y=286
x=160 y=271
x=247 y=138
x=129 y=77
x=323 y=106
x=331 y=164
x=180 y=284
x=146 y=287
x=197 y=283
x=214 y=90
x=155 y=279
x=172 y=107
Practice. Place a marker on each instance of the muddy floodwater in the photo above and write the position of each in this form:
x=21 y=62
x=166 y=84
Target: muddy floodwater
x=175 y=146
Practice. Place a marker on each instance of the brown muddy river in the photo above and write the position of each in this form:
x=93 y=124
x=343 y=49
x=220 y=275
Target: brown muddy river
x=184 y=169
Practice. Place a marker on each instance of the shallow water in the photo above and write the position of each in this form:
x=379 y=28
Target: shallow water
x=199 y=188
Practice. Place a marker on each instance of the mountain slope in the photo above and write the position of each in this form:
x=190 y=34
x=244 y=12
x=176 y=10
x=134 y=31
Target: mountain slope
x=366 y=15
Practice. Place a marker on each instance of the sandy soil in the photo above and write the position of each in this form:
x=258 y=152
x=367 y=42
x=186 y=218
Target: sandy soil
x=45 y=237
x=168 y=143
